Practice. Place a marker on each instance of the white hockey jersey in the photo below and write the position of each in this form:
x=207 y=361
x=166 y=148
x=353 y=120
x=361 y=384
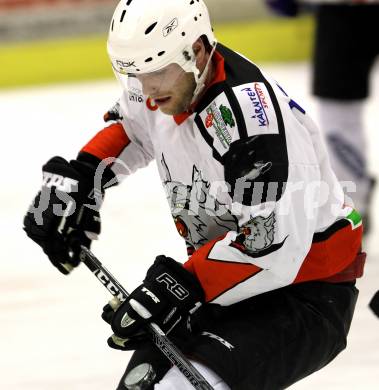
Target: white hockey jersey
x=248 y=180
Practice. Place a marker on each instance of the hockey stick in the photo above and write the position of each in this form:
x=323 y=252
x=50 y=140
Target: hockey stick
x=158 y=336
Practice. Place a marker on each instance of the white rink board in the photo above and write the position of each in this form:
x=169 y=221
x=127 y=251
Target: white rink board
x=52 y=336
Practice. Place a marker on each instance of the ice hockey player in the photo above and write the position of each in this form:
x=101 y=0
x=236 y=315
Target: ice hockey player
x=267 y=294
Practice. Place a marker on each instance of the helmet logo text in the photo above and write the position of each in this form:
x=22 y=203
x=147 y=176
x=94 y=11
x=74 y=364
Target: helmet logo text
x=170 y=27
x=123 y=64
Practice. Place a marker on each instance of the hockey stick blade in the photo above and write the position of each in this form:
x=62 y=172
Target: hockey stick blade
x=158 y=336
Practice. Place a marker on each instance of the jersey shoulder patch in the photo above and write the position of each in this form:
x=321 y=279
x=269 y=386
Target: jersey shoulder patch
x=218 y=124
x=257 y=108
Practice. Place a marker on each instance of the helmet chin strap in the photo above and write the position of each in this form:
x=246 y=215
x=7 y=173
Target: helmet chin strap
x=200 y=78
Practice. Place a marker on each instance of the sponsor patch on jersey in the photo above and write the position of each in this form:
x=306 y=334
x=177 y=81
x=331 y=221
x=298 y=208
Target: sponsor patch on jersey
x=219 y=120
x=257 y=108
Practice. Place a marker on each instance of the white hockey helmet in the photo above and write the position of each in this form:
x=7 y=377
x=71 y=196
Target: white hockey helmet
x=147 y=35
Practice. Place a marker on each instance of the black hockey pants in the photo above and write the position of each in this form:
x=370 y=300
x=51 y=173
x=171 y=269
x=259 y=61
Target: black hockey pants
x=277 y=338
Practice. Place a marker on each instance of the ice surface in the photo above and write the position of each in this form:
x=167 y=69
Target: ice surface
x=51 y=334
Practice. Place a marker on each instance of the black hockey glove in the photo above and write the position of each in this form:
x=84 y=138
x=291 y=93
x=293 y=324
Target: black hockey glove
x=65 y=213
x=168 y=297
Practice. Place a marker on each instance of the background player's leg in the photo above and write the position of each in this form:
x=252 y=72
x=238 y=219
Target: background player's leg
x=342 y=124
x=342 y=62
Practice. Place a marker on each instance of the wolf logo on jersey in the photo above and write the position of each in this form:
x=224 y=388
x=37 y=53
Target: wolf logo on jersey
x=257 y=237
x=259 y=233
x=197 y=214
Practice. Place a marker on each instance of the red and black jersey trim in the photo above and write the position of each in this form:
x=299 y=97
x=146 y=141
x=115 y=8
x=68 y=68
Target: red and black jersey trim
x=256 y=272
x=229 y=273
x=325 y=235
x=109 y=142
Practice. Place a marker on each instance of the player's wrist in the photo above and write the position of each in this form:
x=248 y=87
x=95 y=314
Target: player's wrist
x=100 y=170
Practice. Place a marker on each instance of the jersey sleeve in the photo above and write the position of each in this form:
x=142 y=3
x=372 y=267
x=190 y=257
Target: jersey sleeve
x=274 y=181
x=124 y=145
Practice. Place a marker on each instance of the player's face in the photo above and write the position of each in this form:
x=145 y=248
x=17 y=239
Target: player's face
x=171 y=88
